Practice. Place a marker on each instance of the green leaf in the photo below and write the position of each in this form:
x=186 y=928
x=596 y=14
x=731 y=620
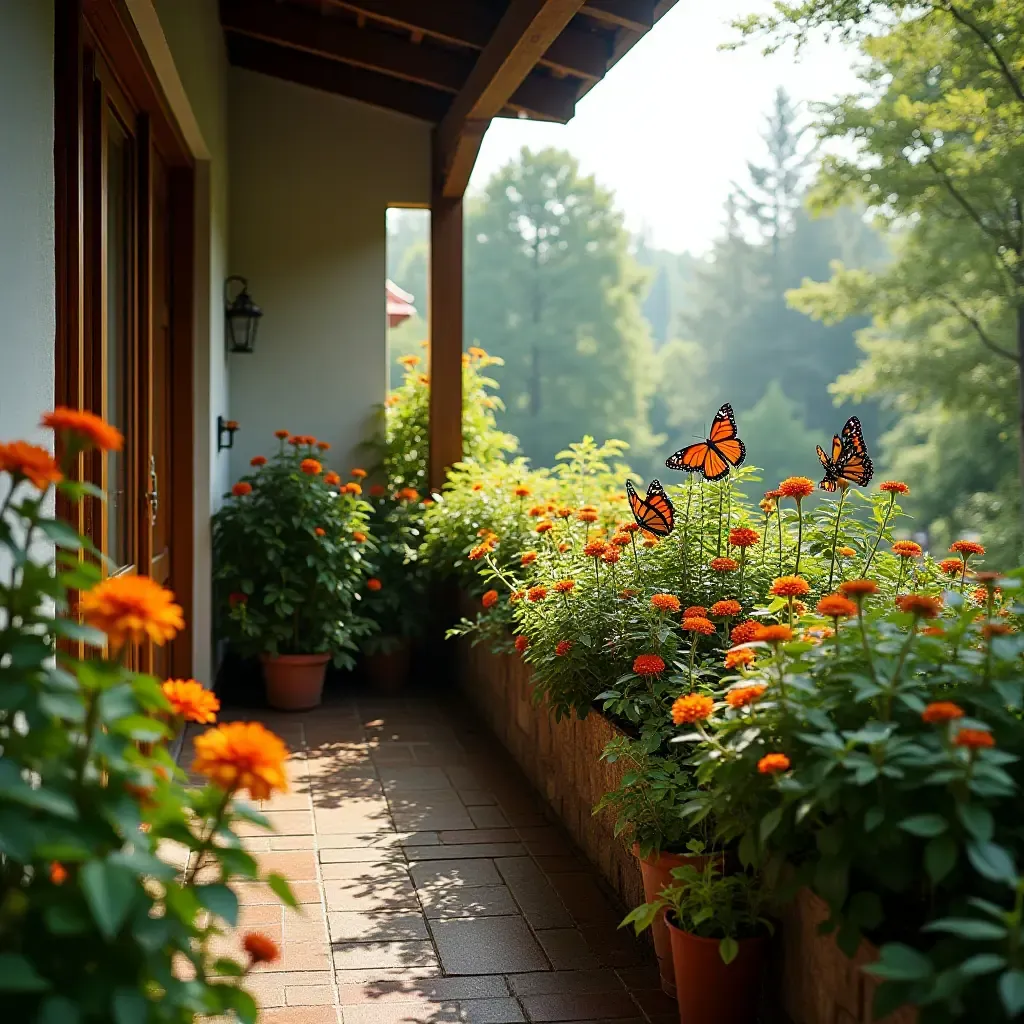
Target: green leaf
x=728 y=949
x=967 y=928
x=1011 y=992
x=130 y=1006
x=770 y=822
x=17 y=974
x=993 y=862
x=220 y=900
x=977 y=820
x=982 y=963
x=873 y=818
x=924 y=825
x=61 y=534
x=58 y=1010
x=283 y=891
x=898 y=962
x=109 y=891
x=940 y=857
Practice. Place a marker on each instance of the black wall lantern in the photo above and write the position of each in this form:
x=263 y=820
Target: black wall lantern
x=243 y=316
x=227 y=427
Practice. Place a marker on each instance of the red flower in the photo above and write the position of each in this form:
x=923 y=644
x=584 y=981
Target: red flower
x=378 y=491
x=522 y=643
x=966 y=547
x=858 y=589
x=744 y=632
x=490 y=599
x=699 y=625
x=258 y=460
x=241 y=489
x=666 y=603
x=920 y=605
x=282 y=434
x=237 y=598
x=723 y=564
x=332 y=479
x=907 y=549
x=536 y=594
x=648 y=665
x=311 y=467
x=545 y=525
x=695 y=611
x=726 y=609
x=595 y=549
x=564 y=586
x=796 y=487
x=941 y=711
x=772 y=763
x=373 y=584
x=894 y=487
x=951 y=566
x=261 y=948
x=743 y=537
x=974 y=739
x=562 y=648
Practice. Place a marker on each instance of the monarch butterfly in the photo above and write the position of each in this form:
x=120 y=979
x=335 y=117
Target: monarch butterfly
x=849 y=461
x=655 y=513
x=717 y=453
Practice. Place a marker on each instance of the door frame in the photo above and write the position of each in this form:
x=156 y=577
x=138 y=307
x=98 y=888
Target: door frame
x=82 y=28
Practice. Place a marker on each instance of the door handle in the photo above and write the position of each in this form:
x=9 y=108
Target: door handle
x=153 y=494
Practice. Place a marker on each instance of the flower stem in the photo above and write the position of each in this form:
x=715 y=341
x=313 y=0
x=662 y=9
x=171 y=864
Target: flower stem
x=864 y=638
x=799 y=534
x=835 y=537
x=718 y=543
x=778 y=516
x=878 y=539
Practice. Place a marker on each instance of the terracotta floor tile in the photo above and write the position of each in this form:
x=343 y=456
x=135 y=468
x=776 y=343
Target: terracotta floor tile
x=301 y=1015
x=378 y=926
x=309 y=995
x=373 y=896
x=283 y=823
x=253 y=893
x=296 y=866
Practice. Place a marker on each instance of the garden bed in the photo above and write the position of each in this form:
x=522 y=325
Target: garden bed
x=819 y=983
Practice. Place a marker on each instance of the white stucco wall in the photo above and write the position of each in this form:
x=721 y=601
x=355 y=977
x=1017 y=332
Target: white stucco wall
x=312 y=175
x=27 y=304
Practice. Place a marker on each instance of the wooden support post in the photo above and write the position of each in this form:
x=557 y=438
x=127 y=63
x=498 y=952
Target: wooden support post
x=445 y=336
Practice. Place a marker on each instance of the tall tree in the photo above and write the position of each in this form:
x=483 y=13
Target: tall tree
x=552 y=288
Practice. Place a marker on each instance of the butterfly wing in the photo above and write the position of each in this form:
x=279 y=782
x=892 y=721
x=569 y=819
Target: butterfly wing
x=853 y=437
x=829 y=483
x=724 y=439
x=828 y=464
x=690 y=459
x=854 y=464
x=837 y=449
x=661 y=518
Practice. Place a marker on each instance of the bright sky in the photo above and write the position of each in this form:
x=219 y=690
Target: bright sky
x=676 y=119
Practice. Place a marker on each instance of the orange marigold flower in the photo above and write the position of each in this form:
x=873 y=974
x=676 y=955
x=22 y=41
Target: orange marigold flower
x=797 y=487
x=359 y=474
x=87 y=425
x=191 y=700
x=907 y=549
x=30 y=461
x=836 y=606
x=564 y=586
x=562 y=648
x=522 y=643
x=240 y=756
x=516 y=595
x=296 y=440
x=845 y=552
x=282 y=434
x=478 y=552
x=586 y=515
x=522 y=492
x=941 y=711
x=241 y=489
x=967 y=547
x=648 y=665
x=974 y=739
x=894 y=487
x=378 y=491
x=694 y=707
x=374 y=584
x=991 y=629
x=359 y=537
x=595 y=549
x=739 y=658
x=858 y=588
x=790 y=586
x=723 y=564
x=696 y=624
x=528 y=558
x=772 y=763
x=545 y=525
x=132 y=609
x=744 y=632
x=665 y=602
x=774 y=634
x=920 y=605
x=58 y=873
x=741 y=696
x=621 y=540
x=743 y=537
x=727 y=609
x=311 y=467
x=320 y=531
x=536 y=594
x=261 y=948
x=489 y=599
x=332 y=479
x=564 y=512
x=611 y=556
x=695 y=611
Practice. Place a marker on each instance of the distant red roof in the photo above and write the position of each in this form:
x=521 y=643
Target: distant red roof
x=399 y=304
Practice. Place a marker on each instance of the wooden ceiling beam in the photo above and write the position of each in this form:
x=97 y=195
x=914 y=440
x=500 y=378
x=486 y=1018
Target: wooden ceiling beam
x=342 y=79
x=540 y=95
x=635 y=15
x=526 y=31
x=578 y=50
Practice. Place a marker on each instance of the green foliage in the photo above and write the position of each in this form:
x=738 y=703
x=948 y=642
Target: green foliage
x=288 y=569
x=783 y=438
x=99 y=920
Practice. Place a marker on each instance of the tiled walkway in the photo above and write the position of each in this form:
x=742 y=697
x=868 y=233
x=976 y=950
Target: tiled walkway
x=433 y=887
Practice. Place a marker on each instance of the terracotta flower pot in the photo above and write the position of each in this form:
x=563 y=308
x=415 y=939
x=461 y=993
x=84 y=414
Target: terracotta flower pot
x=295 y=682
x=656 y=869
x=388 y=671
x=710 y=991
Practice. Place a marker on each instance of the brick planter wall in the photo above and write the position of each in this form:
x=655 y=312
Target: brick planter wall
x=819 y=983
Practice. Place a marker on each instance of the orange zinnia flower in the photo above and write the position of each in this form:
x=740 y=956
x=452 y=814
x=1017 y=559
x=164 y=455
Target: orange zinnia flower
x=352 y=488
x=723 y=564
x=478 y=552
x=772 y=763
x=311 y=467
x=536 y=594
x=739 y=658
x=240 y=756
x=374 y=584
x=132 y=609
x=696 y=624
x=695 y=611
x=894 y=487
x=522 y=492
x=836 y=606
x=595 y=549
x=974 y=739
x=665 y=602
x=565 y=512
x=991 y=629
x=858 y=588
x=743 y=537
x=282 y=434
x=586 y=515
x=564 y=586
x=728 y=609
x=941 y=711
x=694 y=707
x=30 y=461
x=58 y=873
x=86 y=425
x=796 y=487
x=790 y=586
x=258 y=460
x=320 y=531
x=378 y=491
x=629 y=528
x=489 y=599
x=528 y=558
x=261 y=948
x=845 y=552
x=967 y=547
x=774 y=634
x=744 y=632
x=648 y=665
x=516 y=595
x=408 y=494
x=741 y=696
x=544 y=525
x=241 y=489
x=359 y=537
x=907 y=549
x=562 y=648
x=620 y=540
x=920 y=605
x=191 y=700
x=359 y=474
x=332 y=479
x=522 y=643
x=611 y=556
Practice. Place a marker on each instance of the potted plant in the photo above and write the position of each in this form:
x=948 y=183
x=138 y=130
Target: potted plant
x=718 y=933
x=290 y=569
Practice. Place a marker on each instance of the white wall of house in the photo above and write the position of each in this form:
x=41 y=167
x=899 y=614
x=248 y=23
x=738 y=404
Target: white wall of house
x=312 y=176
x=27 y=302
